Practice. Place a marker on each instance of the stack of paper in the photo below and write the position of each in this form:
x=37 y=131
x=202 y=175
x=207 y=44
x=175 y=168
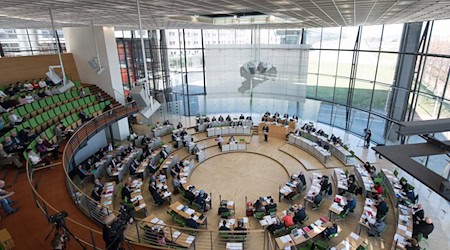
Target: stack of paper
x=285 y=238
x=179 y=207
x=190 y=239
x=176 y=234
x=190 y=211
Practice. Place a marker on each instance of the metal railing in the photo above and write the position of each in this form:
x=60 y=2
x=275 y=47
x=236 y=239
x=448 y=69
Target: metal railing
x=137 y=234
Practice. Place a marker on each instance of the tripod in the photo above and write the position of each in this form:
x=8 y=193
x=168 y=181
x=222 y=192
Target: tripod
x=64 y=233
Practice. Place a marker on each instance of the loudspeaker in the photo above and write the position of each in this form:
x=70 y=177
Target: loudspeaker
x=251 y=68
x=53 y=77
x=140 y=97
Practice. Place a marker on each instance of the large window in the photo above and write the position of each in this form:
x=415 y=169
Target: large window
x=28 y=42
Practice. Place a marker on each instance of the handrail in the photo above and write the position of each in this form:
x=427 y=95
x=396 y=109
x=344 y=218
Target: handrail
x=47 y=204
x=84 y=201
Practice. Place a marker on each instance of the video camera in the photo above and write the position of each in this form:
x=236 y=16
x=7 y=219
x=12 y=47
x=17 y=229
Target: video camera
x=58 y=218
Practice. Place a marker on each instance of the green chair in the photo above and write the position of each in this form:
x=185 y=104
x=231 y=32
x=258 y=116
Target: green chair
x=19 y=127
x=180 y=221
x=49 y=133
x=107 y=102
x=70 y=107
x=259 y=215
x=196 y=206
x=75 y=117
x=26 y=124
x=65 y=122
x=289 y=230
x=35 y=105
x=87 y=91
x=62 y=97
x=92 y=98
x=171 y=213
x=304 y=220
x=75 y=93
x=77 y=83
x=45 y=116
x=64 y=109
x=21 y=111
x=223 y=235
x=69 y=120
x=68 y=95
x=272 y=210
x=315 y=207
x=279 y=232
x=49 y=101
x=321 y=245
x=296 y=197
x=378 y=180
x=91 y=110
x=396 y=173
x=29 y=108
x=51 y=113
x=56 y=99
x=58 y=112
x=102 y=105
x=33 y=123
x=225 y=215
x=81 y=102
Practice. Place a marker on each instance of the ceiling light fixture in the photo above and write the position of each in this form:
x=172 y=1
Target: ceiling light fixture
x=195 y=15
x=235 y=16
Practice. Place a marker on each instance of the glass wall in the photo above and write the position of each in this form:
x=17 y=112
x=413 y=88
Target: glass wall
x=342 y=76
x=28 y=42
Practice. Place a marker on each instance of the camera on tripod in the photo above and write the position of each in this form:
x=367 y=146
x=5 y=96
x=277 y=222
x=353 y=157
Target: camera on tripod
x=58 y=218
x=114 y=234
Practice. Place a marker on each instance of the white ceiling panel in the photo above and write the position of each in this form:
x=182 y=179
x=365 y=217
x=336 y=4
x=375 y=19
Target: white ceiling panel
x=166 y=14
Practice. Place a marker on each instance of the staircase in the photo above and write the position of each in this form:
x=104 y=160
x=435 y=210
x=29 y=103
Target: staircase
x=95 y=90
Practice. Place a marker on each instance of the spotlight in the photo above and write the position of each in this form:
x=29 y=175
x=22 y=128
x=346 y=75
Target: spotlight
x=235 y=16
x=195 y=15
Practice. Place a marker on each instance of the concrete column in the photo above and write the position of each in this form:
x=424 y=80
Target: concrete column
x=80 y=42
x=120 y=129
x=404 y=76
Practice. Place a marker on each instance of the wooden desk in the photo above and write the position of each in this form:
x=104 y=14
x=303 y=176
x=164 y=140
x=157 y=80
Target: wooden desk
x=179 y=238
x=337 y=208
x=108 y=196
x=276 y=131
x=235 y=246
x=370 y=213
x=353 y=241
x=186 y=214
x=232 y=223
x=298 y=237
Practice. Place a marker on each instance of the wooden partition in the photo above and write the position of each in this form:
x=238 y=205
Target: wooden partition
x=13 y=69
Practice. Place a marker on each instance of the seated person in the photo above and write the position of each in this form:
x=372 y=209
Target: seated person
x=83 y=116
x=213 y=119
x=9 y=159
x=249 y=118
x=26 y=135
x=351 y=203
x=43 y=150
x=36 y=159
x=126 y=192
x=367 y=166
x=179 y=125
x=231 y=140
x=98 y=184
x=223 y=209
x=377 y=228
x=271 y=206
x=288 y=220
x=228 y=119
x=351 y=188
x=241 y=117
x=424 y=227
x=377 y=188
x=132 y=168
x=419 y=214
x=163 y=153
x=201 y=200
x=224 y=226
x=404 y=184
x=158 y=197
x=220 y=118
x=191 y=222
x=96 y=194
x=240 y=227
x=258 y=206
x=176 y=184
x=382 y=208
x=11 y=146
x=412 y=244
x=330 y=231
x=300 y=214
x=324 y=184
x=189 y=195
x=317 y=198
x=275 y=226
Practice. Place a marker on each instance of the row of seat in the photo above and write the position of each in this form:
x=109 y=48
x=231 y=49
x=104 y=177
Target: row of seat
x=71 y=121
x=48 y=118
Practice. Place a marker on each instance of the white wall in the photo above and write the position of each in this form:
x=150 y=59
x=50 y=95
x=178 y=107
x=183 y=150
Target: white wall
x=80 y=42
x=120 y=129
x=93 y=145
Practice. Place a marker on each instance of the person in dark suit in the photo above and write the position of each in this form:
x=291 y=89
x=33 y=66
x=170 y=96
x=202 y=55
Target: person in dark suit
x=223 y=209
x=224 y=226
x=351 y=203
x=240 y=227
x=258 y=206
x=330 y=231
x=163 y=153
x=201 y=200
x=189 y=195
x=274 y=227
x=126 y=192
x=382 y=208
x=266 y=132
x=191 y=222
x=271 y=205
x=302 y=178
x=317 y=198
x=96 y=195
x=419 y=214
x=424 y=227
x=412 y=245
x=300 y=214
